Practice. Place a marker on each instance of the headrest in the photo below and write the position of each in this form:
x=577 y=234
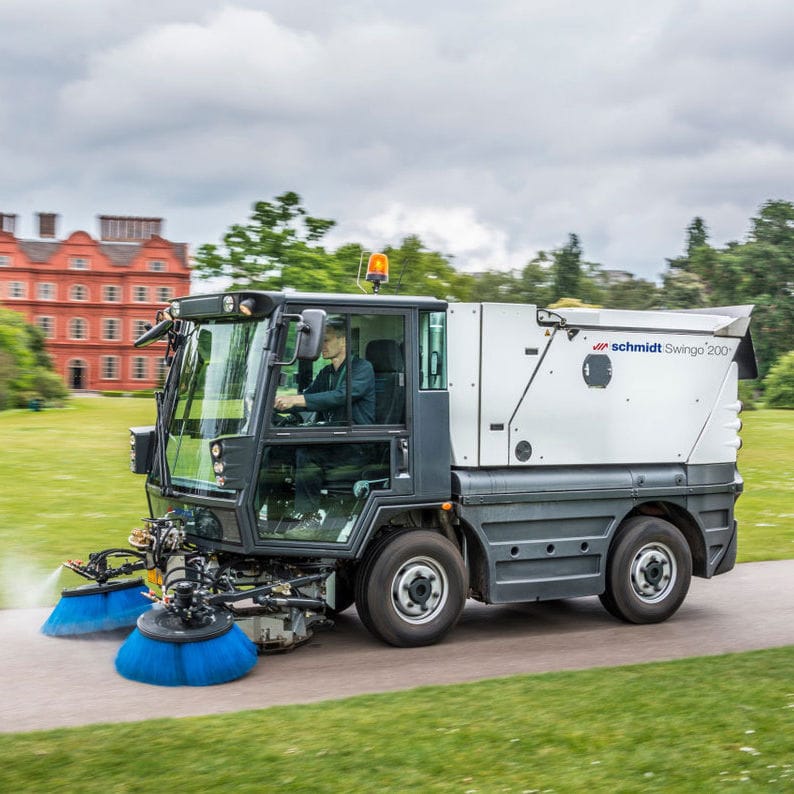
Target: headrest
x=385 y=355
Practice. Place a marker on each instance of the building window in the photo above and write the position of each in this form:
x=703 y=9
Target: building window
x=78 y=328
x=140 y=368
x=78 y=292
x=78 y=263
x=164 y=294
x=47 y=326
x=8 y=223
x=139 y=328
x=17 y=289
x=110 y=367
x=157 y=266
x=111 y=329
x=161 y=368
x=140 y=294
x=111 y=293
x=46 y=292
x=5 y=260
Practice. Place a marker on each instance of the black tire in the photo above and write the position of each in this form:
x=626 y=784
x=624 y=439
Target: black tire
x=648 y=571
x=411 y=588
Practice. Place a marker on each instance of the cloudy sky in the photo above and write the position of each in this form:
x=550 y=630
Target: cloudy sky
x=491 y=129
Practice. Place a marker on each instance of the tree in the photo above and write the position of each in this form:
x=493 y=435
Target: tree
x=25 y=368
x=682 y=290
x=277 y=249
x=497 y=286
x=697 y=236
x=779 y=383
x=417 y=271
x=534 y=283
x=567 y=269
x=631 y=293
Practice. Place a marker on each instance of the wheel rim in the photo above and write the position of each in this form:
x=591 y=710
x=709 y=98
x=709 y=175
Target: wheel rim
x=419 y=590
x=653 y=573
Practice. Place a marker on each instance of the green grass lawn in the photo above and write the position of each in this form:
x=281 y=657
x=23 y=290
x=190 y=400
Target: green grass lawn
x=69 y=490
x=697 y=725
x=766 y=509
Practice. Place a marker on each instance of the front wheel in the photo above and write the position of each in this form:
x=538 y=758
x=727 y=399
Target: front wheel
x=411 y=589
x=648 y=571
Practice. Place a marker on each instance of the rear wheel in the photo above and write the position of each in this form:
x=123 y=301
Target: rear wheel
x=411 y=588
x=648 y=571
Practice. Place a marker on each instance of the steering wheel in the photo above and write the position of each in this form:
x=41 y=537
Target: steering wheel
x=288 y=419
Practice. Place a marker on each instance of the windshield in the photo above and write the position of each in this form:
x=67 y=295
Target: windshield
x=217 y=381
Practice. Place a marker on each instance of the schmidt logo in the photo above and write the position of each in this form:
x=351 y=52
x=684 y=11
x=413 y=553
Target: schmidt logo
x=630 y=347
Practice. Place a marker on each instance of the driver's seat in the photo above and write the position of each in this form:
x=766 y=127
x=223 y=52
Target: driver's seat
x=387 y=361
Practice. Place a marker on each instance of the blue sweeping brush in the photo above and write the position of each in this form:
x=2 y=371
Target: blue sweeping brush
x=97 y=607
x=164 y=650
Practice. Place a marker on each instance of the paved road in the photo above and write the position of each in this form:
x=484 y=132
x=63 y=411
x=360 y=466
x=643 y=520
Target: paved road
x=52 y=682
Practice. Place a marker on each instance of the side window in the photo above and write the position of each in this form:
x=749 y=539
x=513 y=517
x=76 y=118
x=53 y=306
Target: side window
x=379 y=339
x=359 y=378
x=432 y=350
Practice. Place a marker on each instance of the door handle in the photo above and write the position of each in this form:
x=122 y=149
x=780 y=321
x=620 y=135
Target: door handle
x=402 y=461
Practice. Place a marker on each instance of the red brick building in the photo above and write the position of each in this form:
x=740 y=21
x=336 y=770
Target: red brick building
x=92 y=298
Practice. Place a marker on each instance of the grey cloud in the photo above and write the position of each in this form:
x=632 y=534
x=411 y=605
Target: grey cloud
x=492 y=129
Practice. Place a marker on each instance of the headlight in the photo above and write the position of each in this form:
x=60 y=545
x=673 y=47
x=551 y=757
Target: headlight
x=175 y=309
x=228 y=303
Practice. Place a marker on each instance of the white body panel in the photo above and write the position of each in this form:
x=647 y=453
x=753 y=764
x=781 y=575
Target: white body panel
x=671 y=396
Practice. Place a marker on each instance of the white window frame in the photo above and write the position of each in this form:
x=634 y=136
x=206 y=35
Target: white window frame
x=140 y=293
x=112 y=325
x=143 y=363
x=5 y=260
x=112 y=362
x=108 y=289
x=18 y=290
x=164 y=294
x=79 y=287
x=50 y=287
x=79 y=263
x=83 y=335
x=138 y=328
x=158 y=265
x=46 y=324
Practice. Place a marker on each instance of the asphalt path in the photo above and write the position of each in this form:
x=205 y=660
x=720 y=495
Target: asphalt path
x=48 y=682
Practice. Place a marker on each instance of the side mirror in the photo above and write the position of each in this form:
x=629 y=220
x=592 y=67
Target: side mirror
x=311 y=329
x=154 y=334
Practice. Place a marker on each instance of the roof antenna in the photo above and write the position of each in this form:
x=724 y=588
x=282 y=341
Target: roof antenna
x=402 y=273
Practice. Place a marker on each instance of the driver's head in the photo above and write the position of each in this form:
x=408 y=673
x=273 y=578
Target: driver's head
x=334 y=340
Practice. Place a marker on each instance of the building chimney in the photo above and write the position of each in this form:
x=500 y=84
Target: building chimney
x=8 y=223
x=122 y=228
x=46 y=224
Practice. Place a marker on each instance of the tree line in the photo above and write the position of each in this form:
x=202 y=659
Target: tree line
x=281 y=247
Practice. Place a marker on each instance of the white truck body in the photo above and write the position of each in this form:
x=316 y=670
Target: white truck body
x=519 y=395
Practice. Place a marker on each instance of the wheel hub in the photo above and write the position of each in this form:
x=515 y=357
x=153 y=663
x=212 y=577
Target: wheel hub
x=653 y=572
x=419 y=590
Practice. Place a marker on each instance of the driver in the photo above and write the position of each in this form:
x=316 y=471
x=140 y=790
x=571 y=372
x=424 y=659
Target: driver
x=327 y=395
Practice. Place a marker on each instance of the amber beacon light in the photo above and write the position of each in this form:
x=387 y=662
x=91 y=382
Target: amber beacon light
x=378 y=270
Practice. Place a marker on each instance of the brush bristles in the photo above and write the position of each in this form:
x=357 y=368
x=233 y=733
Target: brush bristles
x=85 y=614
x=201 y=663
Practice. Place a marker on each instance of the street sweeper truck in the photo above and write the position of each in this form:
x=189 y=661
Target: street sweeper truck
x=312 y=451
